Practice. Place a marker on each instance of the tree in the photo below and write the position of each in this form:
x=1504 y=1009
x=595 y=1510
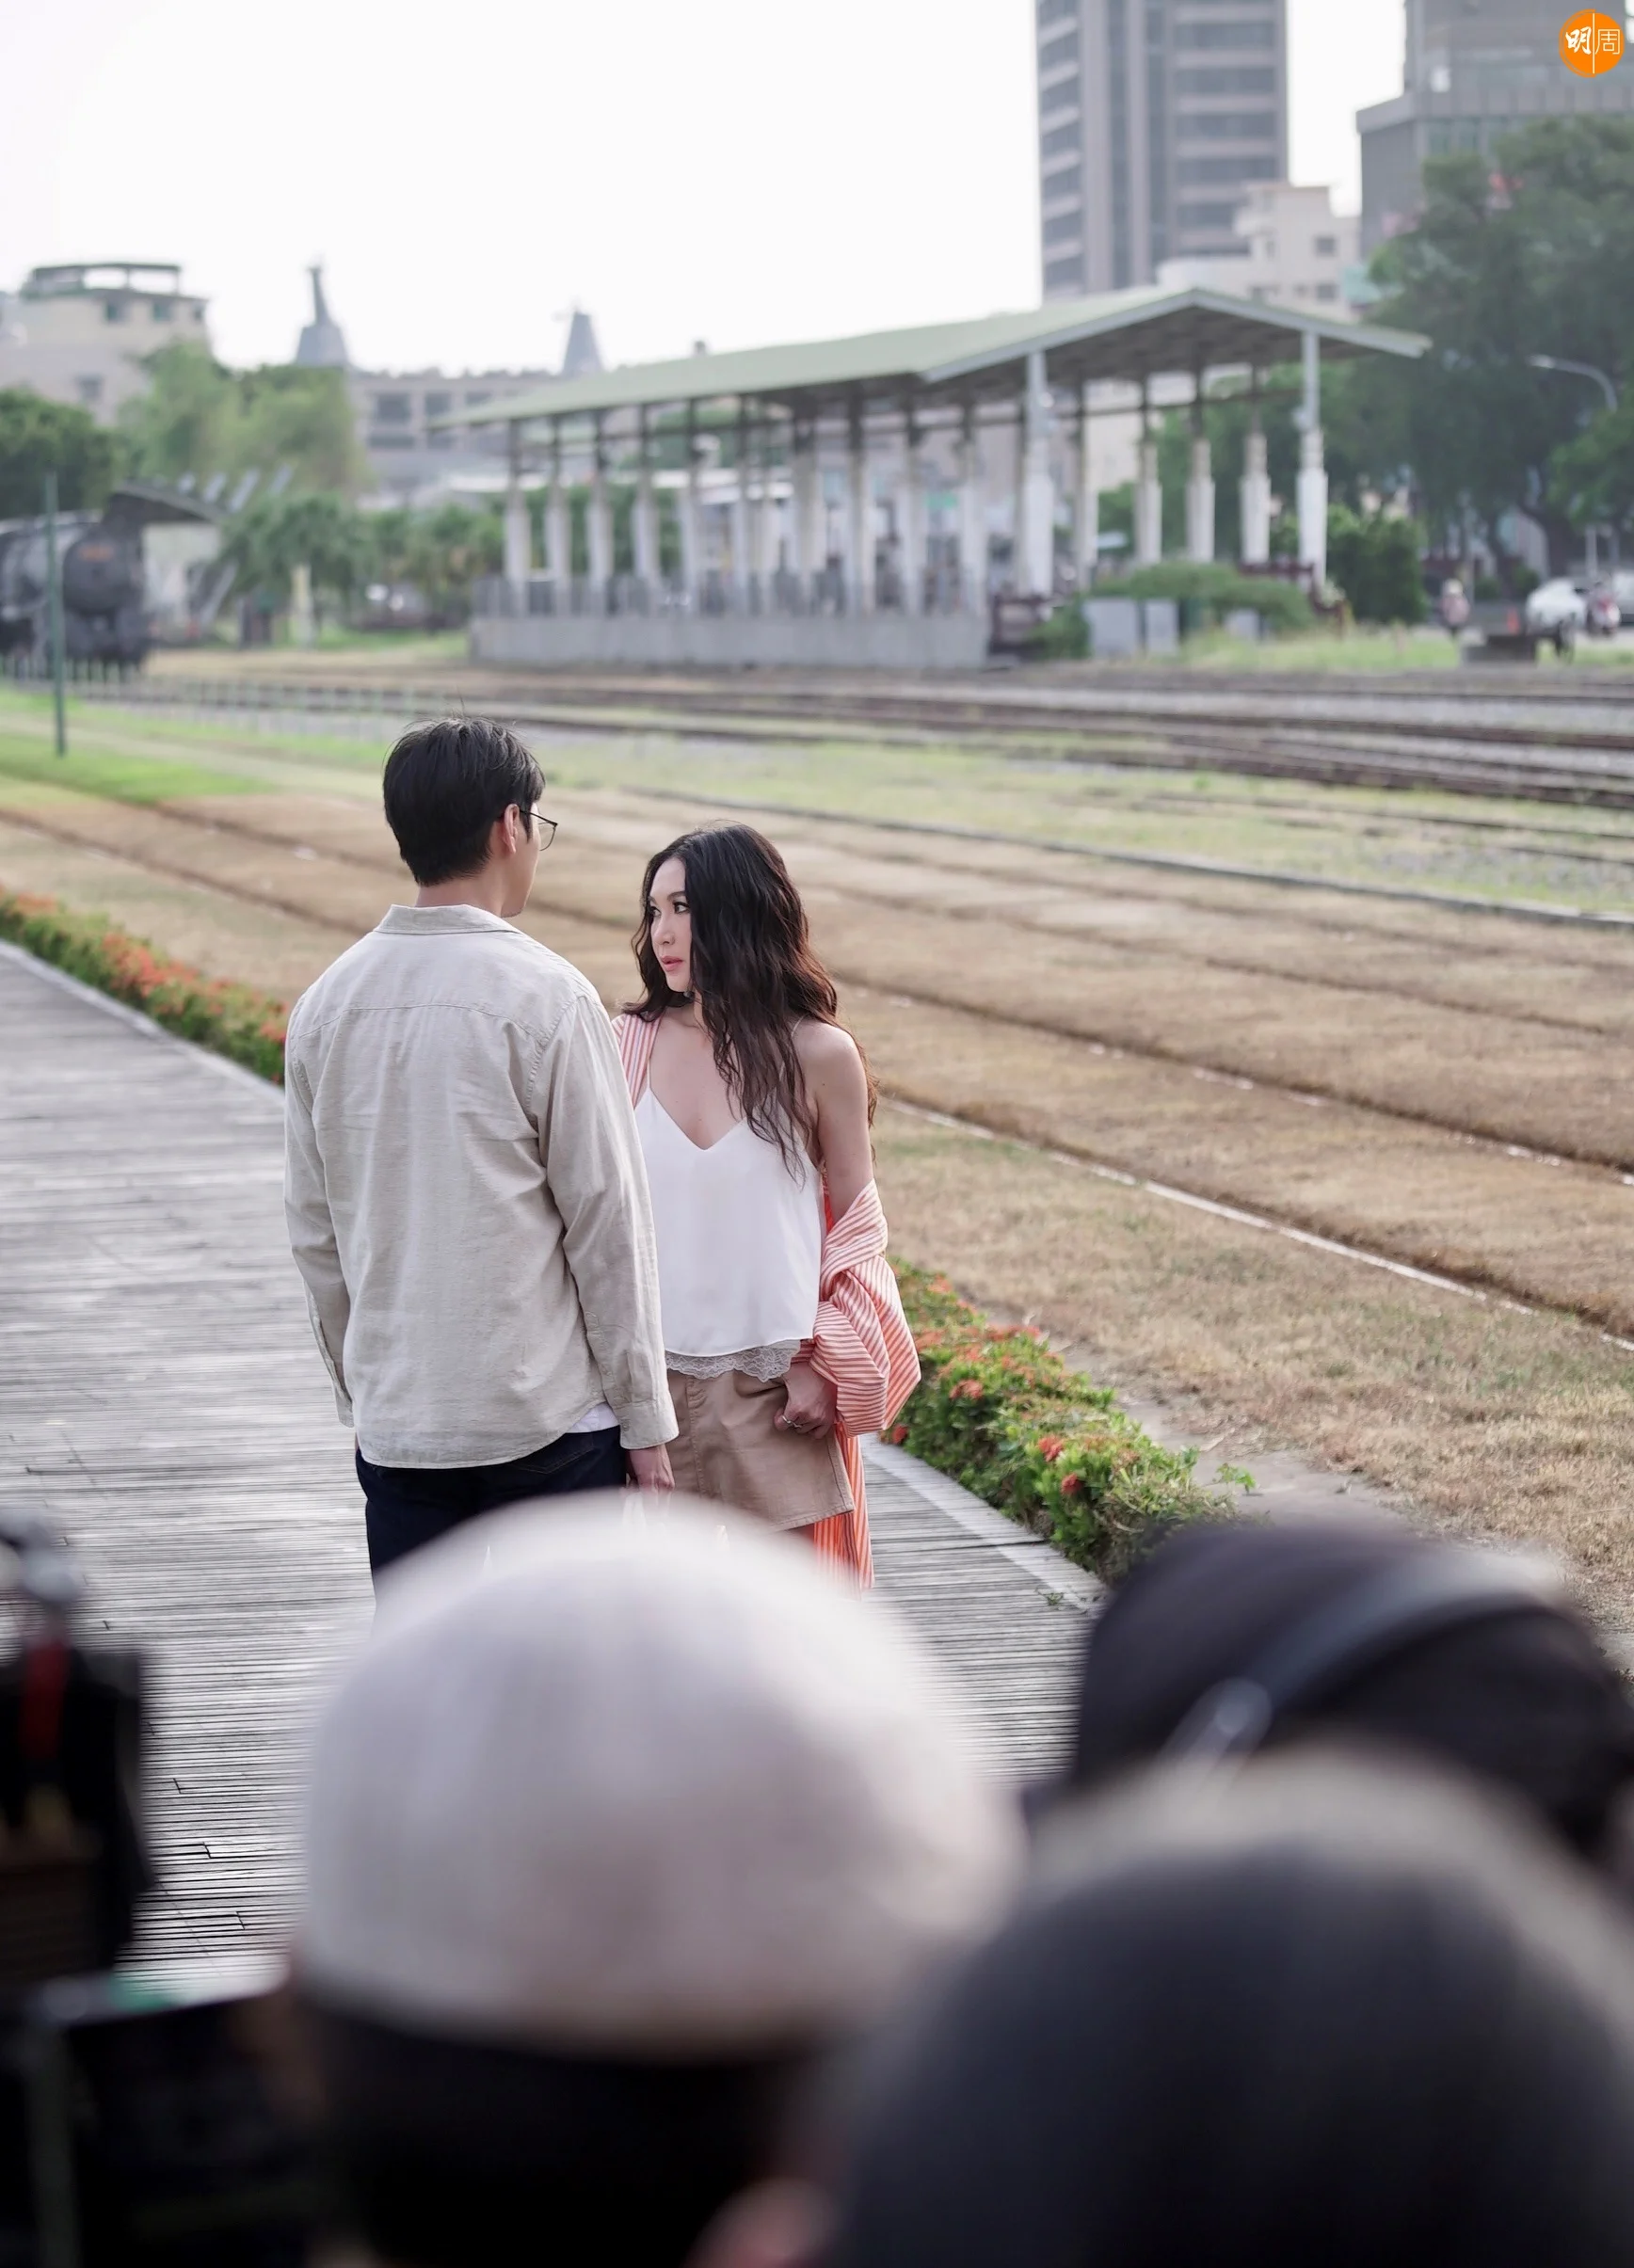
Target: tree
x=1529 y=253
x=441 y=552
x=1375 y=563
x=197 y=417
x=280 y=534
x=179 y=424
x=38 y=437
x=302 y=418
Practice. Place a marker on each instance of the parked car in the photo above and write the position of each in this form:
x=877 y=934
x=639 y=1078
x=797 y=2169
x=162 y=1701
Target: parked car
x=1557 y=605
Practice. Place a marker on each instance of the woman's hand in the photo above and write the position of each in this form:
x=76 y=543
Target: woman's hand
x=811 y=1406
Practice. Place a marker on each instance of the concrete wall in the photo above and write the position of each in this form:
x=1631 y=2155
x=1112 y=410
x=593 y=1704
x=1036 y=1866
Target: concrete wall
x=734 y=641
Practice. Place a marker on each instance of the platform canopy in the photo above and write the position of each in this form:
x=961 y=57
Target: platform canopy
x=1130 y=336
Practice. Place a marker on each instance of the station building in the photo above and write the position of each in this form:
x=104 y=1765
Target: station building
x=858 y=502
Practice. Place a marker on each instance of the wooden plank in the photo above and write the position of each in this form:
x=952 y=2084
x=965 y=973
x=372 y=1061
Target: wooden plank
x=161 y=1405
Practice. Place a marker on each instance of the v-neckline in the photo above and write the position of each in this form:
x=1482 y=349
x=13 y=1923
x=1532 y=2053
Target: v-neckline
x=702 y=1149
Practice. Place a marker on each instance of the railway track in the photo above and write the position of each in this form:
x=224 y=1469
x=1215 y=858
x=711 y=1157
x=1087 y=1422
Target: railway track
x=1552 y=749
x=1390 y=1129
x=302 y=905
x=1534 y=836
x=1204 y=870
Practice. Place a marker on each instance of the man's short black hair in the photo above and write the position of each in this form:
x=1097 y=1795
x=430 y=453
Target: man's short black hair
x=446 y=784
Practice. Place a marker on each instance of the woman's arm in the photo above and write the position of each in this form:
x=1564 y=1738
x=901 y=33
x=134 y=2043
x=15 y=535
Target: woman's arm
x=837 y=1085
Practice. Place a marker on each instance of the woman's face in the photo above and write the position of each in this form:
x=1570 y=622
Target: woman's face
x=669 y=925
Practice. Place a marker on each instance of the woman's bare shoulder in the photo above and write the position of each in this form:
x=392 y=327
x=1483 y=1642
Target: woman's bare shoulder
x=830 y=1063
x=826 y=1047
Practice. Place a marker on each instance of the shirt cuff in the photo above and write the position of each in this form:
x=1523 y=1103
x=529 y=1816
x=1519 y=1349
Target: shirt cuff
x=648 y=1425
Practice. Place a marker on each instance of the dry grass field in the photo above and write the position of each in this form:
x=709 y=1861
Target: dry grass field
x=1450 y=1089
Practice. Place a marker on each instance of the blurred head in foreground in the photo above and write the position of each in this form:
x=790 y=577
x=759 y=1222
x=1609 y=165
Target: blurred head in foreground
x=1466 y=1657
x=1297 y=2012
x=623 y=1821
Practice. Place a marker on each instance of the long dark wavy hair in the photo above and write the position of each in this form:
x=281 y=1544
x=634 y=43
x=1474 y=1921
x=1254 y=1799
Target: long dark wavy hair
x=754 y=972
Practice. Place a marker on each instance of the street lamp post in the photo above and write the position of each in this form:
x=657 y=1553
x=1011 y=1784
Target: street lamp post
x=1583 y=370
x=1578 y=370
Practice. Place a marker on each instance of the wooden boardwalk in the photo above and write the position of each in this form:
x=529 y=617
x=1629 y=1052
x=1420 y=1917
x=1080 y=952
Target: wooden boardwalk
x=161 y=1405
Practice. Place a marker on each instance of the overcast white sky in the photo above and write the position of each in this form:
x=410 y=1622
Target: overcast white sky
x=734 y=170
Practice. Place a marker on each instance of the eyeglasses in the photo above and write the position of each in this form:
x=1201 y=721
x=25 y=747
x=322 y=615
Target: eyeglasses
x=547 y=827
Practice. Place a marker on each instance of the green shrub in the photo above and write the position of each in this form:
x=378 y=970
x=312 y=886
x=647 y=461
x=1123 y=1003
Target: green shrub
x=1000 y=1412
x=235 y=1021
x=1063 y=635
x=1210 y=592
x=1375 y=563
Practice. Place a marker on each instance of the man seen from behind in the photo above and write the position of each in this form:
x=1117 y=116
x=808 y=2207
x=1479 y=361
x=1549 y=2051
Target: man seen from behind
x=464 y=1186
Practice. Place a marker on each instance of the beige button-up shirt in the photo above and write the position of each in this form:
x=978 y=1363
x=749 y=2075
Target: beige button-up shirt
x=466 y=1196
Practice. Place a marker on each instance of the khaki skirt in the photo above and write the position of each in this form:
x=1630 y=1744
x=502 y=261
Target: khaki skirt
x=730 y=1449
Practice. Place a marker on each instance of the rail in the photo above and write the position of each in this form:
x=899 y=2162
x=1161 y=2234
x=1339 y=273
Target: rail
x=1572 y=758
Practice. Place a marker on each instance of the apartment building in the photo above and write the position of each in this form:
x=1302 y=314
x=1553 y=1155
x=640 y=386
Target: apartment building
x=1154 y=119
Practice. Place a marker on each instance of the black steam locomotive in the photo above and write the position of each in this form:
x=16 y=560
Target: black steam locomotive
x=101 y=562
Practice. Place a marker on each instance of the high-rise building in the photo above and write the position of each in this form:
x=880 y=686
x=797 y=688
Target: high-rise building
x=1155 y=119
x=1475 y=70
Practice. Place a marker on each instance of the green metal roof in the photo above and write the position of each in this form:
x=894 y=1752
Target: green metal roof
x=1129 y=335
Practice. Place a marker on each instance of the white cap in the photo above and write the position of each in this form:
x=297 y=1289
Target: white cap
x=640 y=1782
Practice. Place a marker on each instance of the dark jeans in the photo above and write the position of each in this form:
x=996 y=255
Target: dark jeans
x=408 y=1505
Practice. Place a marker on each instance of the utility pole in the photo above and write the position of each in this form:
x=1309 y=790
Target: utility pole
x=1585 y=370
x=54 y=612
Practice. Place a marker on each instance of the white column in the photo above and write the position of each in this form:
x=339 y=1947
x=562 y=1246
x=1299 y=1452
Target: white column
x=559 y=533
x=518 y=534
x=739 y=520
x=687 y=506
x=1086 y=520
x=1037 y=562
x=600 y=528
x=1256 y=497
x=302 y=620
x=859 y=531
x=1200 y=503
x=644 y=525
x=754 y=572
x=769 y=550
x=1313 y=480
x=1148 y=500
x=972 y=520
x=807 y=536
x=910 y=522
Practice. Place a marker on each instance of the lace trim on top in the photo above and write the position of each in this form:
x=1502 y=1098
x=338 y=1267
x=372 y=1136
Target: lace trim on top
x=764 y=1363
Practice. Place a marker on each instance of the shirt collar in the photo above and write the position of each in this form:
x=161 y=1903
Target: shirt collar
x=440 y=921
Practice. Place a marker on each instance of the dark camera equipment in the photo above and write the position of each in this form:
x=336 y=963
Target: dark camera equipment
x=139 y=2127
x=163 y=2134
x=72 y=1863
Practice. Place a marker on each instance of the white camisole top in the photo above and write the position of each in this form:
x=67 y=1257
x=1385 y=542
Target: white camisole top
x=740 y=1246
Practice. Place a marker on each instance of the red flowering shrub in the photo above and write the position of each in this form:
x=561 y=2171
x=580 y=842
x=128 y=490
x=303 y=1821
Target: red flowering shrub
x=233 y=1019
x=999 y=1410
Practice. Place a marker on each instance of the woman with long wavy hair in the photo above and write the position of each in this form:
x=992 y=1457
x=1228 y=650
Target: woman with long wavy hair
x=782 y=1326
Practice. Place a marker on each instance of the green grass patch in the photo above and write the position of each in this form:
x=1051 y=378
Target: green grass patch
x=245 y=1026
x=1000 y=1412
x=120 y=778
